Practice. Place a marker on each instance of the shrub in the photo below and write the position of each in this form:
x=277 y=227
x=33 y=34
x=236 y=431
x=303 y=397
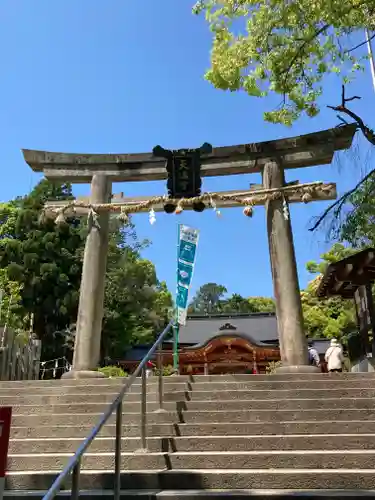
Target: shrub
x=167 y=371
x=272 y=367
x=112 y=371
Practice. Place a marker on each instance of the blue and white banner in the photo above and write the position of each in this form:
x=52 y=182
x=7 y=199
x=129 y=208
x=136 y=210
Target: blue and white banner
x=187 y=250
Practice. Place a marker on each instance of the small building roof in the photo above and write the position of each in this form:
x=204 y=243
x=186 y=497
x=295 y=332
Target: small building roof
x=260 y=327
x=345 y=276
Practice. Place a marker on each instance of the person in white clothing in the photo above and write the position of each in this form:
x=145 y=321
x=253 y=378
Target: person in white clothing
x=334 y=357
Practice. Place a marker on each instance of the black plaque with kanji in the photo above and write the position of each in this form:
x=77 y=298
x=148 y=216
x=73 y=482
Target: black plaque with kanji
x=184 y=170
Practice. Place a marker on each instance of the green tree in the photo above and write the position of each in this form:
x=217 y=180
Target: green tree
x=207 y=299
x=136 y=307
x=285 y=48
x=331 y=317
x=44 y=258
x=262 y=304
x=10 y=296
x=235 y=303
x=40 y=267
x=337 y=252
x=358 y=227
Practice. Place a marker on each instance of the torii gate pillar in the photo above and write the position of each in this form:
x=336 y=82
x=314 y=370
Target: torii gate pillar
x=292 y=338
x=91 y=299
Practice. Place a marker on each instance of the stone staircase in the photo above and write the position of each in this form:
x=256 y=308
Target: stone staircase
x=281 y=436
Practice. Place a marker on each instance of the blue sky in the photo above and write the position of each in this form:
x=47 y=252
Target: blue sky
x=115 y=76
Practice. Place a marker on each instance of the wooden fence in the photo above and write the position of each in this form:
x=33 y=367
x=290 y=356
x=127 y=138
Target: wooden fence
x=19 y=357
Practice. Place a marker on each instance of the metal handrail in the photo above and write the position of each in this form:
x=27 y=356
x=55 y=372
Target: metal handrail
x=74 y=465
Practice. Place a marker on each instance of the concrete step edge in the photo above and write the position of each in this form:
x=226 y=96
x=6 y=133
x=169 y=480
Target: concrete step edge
x=193 y=390
x=190 y=494
x=203 y=453
x=200 y=424
x=230 y=401
x=208 y=436
x=92 y=472
x=177 y=494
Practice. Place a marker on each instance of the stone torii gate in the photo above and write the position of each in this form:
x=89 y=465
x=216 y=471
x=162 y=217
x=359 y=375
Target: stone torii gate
x=269 y=158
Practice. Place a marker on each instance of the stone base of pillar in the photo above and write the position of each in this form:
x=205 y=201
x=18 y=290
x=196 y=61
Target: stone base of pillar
x=83 y=374
x=297 y=369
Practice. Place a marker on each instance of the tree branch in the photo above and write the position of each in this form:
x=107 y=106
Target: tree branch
x=370 y=136
x=360 y=44
x=301 y=48
x=338 y=204
x=367 y=132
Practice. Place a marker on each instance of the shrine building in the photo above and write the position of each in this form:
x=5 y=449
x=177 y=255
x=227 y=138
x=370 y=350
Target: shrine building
x=222 y=343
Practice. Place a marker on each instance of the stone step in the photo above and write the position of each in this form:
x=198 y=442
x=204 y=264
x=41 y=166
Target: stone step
x=194 y=396
x=309 y=377
x=216 y=429
x=306 y=459
x=254 y=384
x=104 y=398
x=219 y=416
x=201 y=443
x=208 y=405
x=114 y=386
x=216 y=494
x=228 y=479
x=81 y=390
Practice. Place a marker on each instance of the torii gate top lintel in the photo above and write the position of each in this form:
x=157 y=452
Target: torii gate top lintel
x=307 y=150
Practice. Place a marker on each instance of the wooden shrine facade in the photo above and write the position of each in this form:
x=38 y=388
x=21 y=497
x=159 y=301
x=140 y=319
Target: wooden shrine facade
x=243 y=343
x=221 y=354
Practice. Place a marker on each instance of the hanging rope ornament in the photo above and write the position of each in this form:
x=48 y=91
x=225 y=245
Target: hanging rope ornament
x=123 y=215
x=248 y=211
x=60 y=219
x=285 y=209
x=301 y=192
x=306 y=198
x=179 y=209
x=152 y=216
x=214 y=207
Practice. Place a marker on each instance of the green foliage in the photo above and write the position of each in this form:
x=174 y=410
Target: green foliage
x=261 y=304
x=272 y=367
x=337 y=252
x=112 y=371
x=167 y=371
x=359 y=226
x=136 y=305
x=207 y=298
x=10 y=297
x=285 y=48
x=40 y=267
x=210 y=299
x=42 y=258
x=333 y=317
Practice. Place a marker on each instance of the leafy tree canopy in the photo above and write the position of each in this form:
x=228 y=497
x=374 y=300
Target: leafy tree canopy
x=40 y=267
x=136 y=307
x=44 y=258
x=286 y=48
x=359 y=224
x=337 y=252
x=208 y=297
x=331 y=317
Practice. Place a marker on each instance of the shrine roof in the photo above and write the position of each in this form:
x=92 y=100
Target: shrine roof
x=260 y=327
x=345 y=276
